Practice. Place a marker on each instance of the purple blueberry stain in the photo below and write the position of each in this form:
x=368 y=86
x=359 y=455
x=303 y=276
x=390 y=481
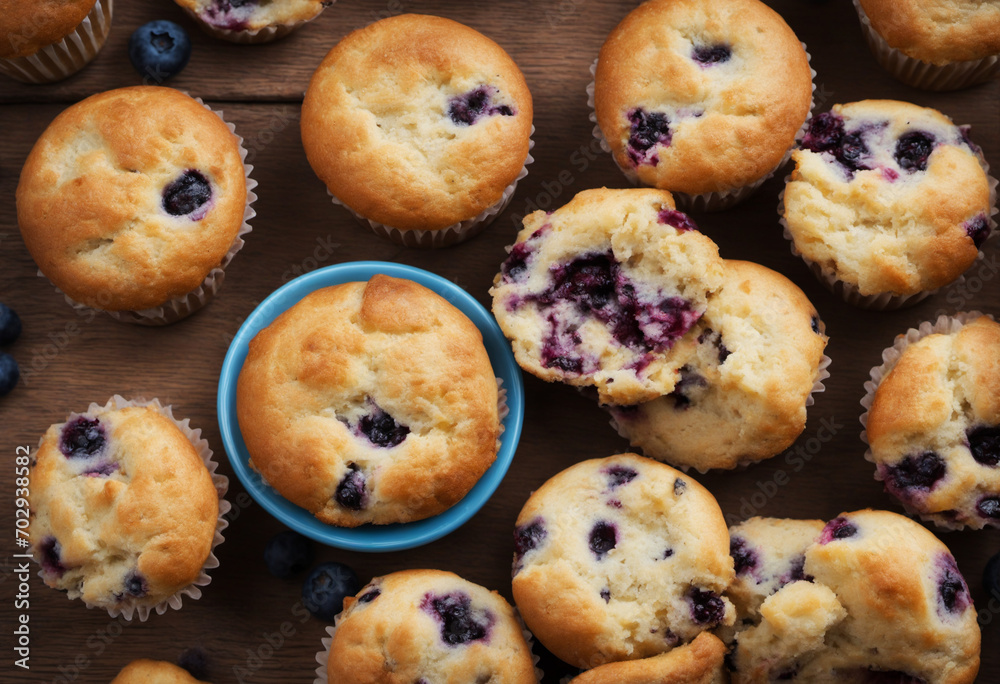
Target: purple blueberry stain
x=470 y=107
x=603 y=538
x=528 y=537
x=978 y=229
x=688 y=381
x=707 y=607
x=667 y=553
x=798 y=571
x=189 y=195
x=560 y=349
x=231 y=15
x=646 y=131
x=350 y=492
x=460 y=623
x=515 y=267
x=745 y=558
x=83 y=437
x=838 y=528
x=606 y=595
x=989 y=507
x=984 y=443
x=677 y=219
x=913 y=150
x=710 y=336
x=913 y=474
x=51 y=557
x=708 y=55
x=619 y=475
x=952 y=589
x=103 y=469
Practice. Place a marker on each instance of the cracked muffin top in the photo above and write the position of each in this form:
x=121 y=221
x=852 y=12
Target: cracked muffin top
x=417 y=133
x=701 y=96
x=131 y=197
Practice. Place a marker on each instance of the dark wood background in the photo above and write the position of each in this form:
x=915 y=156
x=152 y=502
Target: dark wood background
x=69 y=361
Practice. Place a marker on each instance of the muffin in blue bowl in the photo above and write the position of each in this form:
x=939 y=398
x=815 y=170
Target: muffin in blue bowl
x=371 y=406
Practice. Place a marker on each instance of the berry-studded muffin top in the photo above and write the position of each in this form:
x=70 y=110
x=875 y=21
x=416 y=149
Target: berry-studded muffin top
x=131 y=197
x=934 y=427
x=124 y=509
x=701 y=96
x=250 y=15
x=26 y=27
x=605 y=290
x=937 y=31
x=428 y=626
x=871 y=596
x=370 y=402
x=620 y=558
x=154 y=671
x=700 y=662
x=417 y=122
x=742 y=390
x=889 y=196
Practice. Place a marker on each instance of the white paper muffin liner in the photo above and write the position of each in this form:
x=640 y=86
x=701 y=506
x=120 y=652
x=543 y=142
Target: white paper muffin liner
x=59 y=60
x=887 y=301
x=449 y=235
x=707 y=201
x=944 y=325
x=265 y=34
x=323 y=656
x=821 y=374
x=920 y=74
x=185 y=305
x=221 y=482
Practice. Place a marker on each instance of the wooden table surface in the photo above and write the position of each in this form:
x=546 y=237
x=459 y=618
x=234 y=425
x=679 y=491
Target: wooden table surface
x=68 y=360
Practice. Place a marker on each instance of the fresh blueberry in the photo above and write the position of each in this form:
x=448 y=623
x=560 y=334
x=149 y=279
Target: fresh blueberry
x=460 y=624
x=707 y=55
x=984 y=443
x=195 y=661
x=603 y=538
x=187 y=194
x=350 y=493
x=82 y=437
x=913 y=149
x=159 y=50
x=288 y=553
x=9 y=373
x=991 y=578
x=10 y=324
x=325 y=588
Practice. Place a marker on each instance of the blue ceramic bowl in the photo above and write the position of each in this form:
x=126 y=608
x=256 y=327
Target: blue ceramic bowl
x=370 y=537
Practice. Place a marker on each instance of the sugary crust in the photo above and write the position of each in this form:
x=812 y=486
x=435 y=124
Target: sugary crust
x=732 y=122
x=154 y=672
x=376 y=127
x=257 y=16
x=393 y=638
x=941 y=387
x=937 y=31
x=652 y=253
x=90 y=198
x=699 y=662
x=314 y=372
x=670 y=538
x=905 y=235
x=26 y=27
x=753 y=404
x=155 y=513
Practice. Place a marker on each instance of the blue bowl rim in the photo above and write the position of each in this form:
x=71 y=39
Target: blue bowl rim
x=370 y=537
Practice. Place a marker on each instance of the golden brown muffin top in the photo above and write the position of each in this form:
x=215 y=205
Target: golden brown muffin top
x=26 y=27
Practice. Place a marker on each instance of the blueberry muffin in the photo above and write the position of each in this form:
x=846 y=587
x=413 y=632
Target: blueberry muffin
x=877 y=598
x=370 y=403
x=124 y=510
x=697 y=96
x=604 y=291
x=252 y=21
x=133 y=200
x=418 y=134
x=700 y=662
x=743 y=391
x=428 y=626
x=888 y=201
x=620 y=558
x=47 y=40
x=934 y=426
x=934 y=44
x=154 y=672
